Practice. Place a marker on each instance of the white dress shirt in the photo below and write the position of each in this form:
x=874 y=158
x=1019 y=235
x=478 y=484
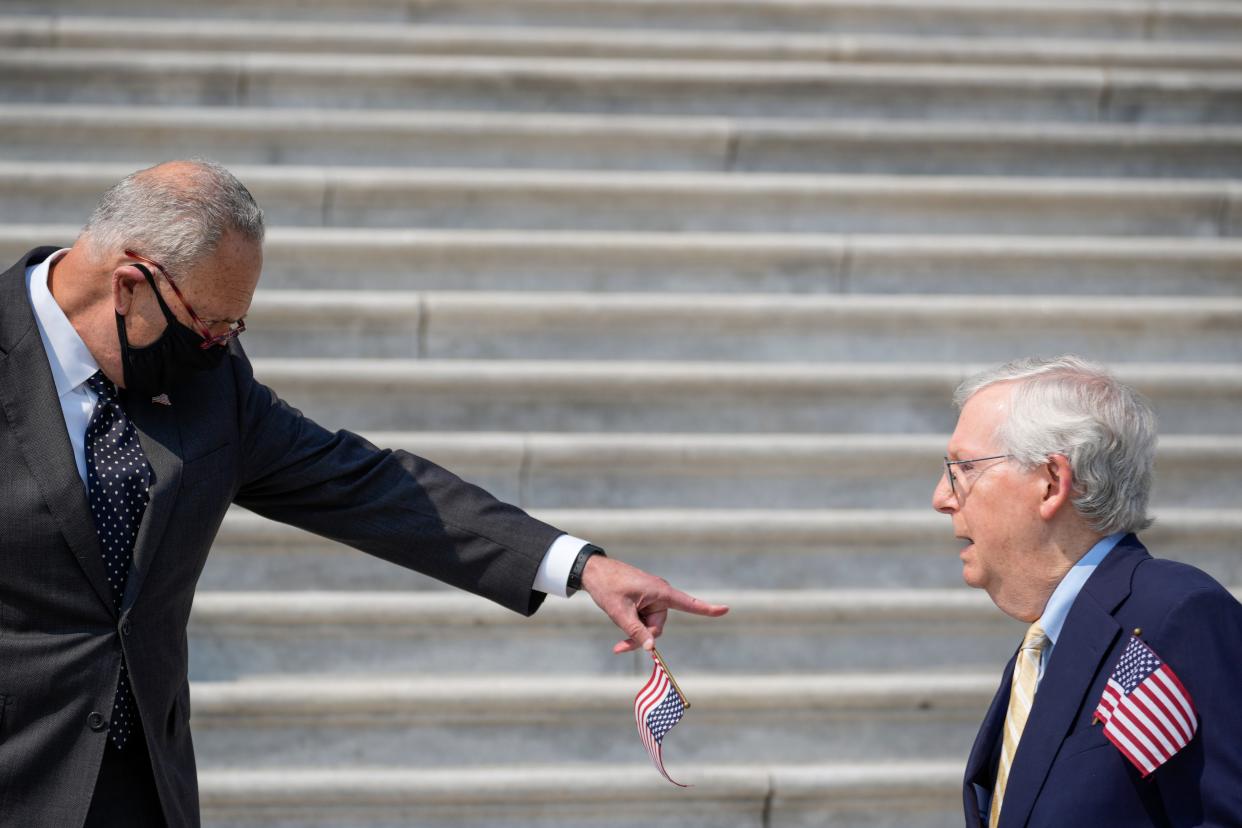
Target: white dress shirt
x=72 y=365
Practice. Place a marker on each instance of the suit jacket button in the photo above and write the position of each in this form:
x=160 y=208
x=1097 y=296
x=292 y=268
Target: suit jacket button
x=126 y=626
x=97 y=722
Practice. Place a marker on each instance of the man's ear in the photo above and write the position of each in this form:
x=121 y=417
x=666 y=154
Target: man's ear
x=1058 y=480
x=124 y=279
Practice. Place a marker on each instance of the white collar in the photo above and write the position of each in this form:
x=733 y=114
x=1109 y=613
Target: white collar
x=71 y=361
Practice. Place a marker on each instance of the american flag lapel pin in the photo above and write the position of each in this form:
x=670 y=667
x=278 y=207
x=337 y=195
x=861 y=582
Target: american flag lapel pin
x=161 y=399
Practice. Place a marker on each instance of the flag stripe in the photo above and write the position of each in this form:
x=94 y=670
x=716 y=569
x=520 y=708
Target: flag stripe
x=1170 y=684
x=1157 y=748
x=1143 y=745
x=1168 y=702
x=1170 y=735
x=1122 y=744
x=1148 y=713
x=657 y=705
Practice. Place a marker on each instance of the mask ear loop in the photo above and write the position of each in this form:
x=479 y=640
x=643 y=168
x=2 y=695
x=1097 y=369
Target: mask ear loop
x=168 y=314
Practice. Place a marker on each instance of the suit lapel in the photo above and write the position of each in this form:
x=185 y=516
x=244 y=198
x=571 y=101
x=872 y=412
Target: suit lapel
x=1086 y=639
x=32 y=408
x=160 y=435
x=980 y=766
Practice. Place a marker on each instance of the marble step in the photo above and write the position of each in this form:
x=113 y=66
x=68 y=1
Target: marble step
x=42 y=132
x=427 y=721
x=347 y=37
x=400 y=197
x=322 y=258
x=654 y=87
x=539 y=470
x=754 y=327
x=703 y=397
x=236 y=635
x=716 y=548
x=1129 y=19
x=887 y=794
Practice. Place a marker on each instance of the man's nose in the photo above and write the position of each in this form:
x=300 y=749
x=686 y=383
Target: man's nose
x=944 y=500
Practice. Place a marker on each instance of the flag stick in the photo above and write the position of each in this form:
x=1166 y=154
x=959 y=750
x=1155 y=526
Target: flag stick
x=669 y=672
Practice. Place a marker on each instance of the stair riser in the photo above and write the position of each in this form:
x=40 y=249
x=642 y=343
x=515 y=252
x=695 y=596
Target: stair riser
x=460 y=204
x=712 y=150
x=428 y=739
x=416 y=403
x=470 y=815
x=1135 y=22
x=295 y=260
x=1088 y=96
x=774 y=337
x=932 y=563
x=221 y=652
x=839 y=480
x=943 y=811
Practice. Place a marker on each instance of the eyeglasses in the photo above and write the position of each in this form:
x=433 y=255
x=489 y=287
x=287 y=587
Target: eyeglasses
x=209 y=340
x=966 y=467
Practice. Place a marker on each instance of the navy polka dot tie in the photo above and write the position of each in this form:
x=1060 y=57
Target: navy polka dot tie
x=117 y=481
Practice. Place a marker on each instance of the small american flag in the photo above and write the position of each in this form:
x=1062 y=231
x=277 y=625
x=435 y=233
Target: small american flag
x=657 y=707
x=1146 y=711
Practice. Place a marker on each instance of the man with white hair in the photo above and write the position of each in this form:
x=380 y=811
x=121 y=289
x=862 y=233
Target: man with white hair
x=1121 y=707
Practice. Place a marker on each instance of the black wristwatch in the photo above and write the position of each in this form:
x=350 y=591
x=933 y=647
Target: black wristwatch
x=575 y=572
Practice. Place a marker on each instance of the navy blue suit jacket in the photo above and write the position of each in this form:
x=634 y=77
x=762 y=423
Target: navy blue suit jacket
x=1066 y=773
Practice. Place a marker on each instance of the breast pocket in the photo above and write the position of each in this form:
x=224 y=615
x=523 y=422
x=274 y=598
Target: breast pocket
x=1083 y=740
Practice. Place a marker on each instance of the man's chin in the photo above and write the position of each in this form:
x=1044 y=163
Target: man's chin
x=972 y=577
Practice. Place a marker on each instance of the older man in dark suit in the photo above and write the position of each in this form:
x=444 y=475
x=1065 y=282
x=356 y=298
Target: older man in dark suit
x=1120 y=709
x=129 y=422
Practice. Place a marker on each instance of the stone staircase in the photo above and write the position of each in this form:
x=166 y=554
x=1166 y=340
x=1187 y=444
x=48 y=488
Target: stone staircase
x=694 y=280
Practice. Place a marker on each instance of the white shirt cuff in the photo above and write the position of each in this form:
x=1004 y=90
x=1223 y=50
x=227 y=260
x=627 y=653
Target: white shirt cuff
x=553 y=574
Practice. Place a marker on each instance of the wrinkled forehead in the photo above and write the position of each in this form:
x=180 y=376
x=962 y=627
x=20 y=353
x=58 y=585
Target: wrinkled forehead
x=222 y=286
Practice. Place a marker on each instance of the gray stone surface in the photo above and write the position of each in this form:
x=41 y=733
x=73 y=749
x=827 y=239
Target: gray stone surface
x=793 y=632
x=693 y=280
x=669 y=263
x=687 y=202
x=511 y=720
x=876 y=795
x=709 y=548
x=430 y=39
x=618 y=395
x=1133 y=20
x=739 y=88
x=132 y=134
x=752 y=327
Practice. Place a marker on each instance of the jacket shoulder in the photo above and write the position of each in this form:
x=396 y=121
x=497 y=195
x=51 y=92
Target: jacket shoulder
x=1162 y=588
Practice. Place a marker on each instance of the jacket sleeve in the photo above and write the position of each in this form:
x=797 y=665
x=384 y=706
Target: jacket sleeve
x=391 y=504
x=1201 y=640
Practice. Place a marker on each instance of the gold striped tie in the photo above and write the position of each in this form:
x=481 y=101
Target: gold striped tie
x=1021 y=697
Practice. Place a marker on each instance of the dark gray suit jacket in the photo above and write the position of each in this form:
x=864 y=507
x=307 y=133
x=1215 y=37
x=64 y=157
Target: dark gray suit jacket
x=225 y=439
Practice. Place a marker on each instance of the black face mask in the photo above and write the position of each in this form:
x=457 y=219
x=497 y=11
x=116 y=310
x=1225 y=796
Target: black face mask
x=153 y=369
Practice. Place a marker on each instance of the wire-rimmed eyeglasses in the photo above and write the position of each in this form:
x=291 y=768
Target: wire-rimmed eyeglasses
x=965 y=464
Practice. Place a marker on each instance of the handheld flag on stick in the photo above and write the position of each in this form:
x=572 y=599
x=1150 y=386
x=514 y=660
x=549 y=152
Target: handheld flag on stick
x=1147 y=713
x=657 y=707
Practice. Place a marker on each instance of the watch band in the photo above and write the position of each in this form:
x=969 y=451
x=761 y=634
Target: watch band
x=575 y=572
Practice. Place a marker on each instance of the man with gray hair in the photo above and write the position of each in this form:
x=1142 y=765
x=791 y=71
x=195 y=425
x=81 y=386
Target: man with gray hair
x=130 y=421
x=1120 y=708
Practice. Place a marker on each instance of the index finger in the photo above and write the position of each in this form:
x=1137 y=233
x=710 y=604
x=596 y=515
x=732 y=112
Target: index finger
x=685 y=602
